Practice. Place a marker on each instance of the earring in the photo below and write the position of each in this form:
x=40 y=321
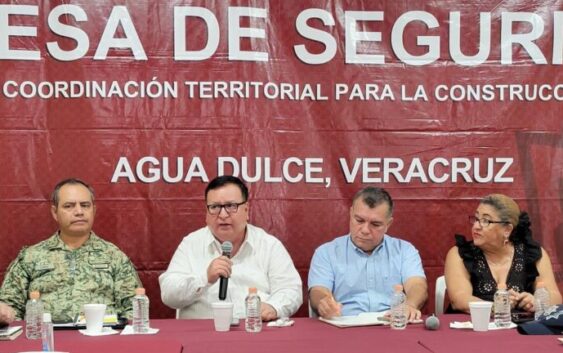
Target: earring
x=505 y=241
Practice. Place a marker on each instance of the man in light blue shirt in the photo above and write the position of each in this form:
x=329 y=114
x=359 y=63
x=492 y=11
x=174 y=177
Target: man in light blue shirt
x=356 y=273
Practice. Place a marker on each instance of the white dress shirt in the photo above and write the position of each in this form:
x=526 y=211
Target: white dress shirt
x=262 y=262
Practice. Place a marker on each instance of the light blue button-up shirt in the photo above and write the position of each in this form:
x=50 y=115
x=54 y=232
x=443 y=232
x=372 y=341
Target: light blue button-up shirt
x=364 y=282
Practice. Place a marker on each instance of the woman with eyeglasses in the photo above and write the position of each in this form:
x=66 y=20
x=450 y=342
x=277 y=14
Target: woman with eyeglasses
x=501 y=250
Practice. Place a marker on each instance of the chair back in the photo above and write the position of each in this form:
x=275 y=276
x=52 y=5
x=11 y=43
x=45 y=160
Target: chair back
x=440 y=295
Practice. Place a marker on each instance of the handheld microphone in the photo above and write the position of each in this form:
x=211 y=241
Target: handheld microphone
x=432 y=323
x=226 y=247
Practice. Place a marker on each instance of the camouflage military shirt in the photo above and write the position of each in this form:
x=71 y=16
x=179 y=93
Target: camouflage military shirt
x=97 y=272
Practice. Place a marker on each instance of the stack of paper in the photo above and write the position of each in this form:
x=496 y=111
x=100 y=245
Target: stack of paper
x=10 y=333
x=363 y=319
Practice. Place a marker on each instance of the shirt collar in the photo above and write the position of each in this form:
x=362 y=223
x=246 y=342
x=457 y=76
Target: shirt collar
x=55 y=242
x=93 y=242
x=214 y=245
x=377 y=248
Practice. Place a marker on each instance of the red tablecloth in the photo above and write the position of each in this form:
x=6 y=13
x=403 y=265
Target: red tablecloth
x=307 y=335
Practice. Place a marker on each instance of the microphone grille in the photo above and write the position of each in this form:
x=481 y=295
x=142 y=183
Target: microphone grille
x=432 y=323
x=227 y=247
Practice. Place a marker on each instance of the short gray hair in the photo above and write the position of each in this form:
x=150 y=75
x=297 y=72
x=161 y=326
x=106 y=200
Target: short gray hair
x=69 y=181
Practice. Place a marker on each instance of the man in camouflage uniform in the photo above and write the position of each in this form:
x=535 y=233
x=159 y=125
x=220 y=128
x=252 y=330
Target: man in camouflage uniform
x=74 y=266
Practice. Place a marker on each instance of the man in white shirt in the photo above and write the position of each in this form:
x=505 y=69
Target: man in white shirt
x=258 y=259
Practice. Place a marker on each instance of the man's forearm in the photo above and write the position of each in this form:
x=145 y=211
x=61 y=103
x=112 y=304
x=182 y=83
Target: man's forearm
x=416 y=292
x=316 y=294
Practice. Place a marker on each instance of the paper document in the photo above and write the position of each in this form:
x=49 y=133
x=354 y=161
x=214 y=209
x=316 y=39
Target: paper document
x=363 y=319
x=10 y=333
x=467 y=325
x=110 y=320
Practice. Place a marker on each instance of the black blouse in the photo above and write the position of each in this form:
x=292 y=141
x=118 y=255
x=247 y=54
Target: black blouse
x=522 y=273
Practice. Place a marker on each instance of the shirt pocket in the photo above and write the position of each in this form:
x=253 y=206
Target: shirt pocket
x=98 y=274
x=44 y=277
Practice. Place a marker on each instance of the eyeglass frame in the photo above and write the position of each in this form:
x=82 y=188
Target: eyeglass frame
x=224 y=206
x=488 y=222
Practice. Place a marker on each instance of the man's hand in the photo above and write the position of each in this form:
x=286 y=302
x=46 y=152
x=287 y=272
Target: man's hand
x=220 y=266
x=267 y=312
x=7 y=314
x=328 y=307
x=524 y=300
x=412 y=313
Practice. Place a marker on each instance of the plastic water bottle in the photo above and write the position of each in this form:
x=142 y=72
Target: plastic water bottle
x=140 y=311
x=502 y=306
x=541 y=300
x=33 y=316
x=47 y=337
x=398 y=308
x=253 y=321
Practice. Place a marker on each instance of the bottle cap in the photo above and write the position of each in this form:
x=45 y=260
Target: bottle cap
x=34 y=295
x=252 y=290
x=46 y=317
x=501 y=286
x=140 y=291
x=398 y=287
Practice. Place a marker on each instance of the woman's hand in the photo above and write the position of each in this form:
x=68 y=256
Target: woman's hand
x=523 y=300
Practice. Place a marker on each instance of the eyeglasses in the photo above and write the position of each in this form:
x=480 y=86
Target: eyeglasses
x=215 y=209
x=483 y=222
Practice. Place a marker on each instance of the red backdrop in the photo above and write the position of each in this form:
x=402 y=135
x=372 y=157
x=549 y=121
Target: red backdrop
x=431 y=150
